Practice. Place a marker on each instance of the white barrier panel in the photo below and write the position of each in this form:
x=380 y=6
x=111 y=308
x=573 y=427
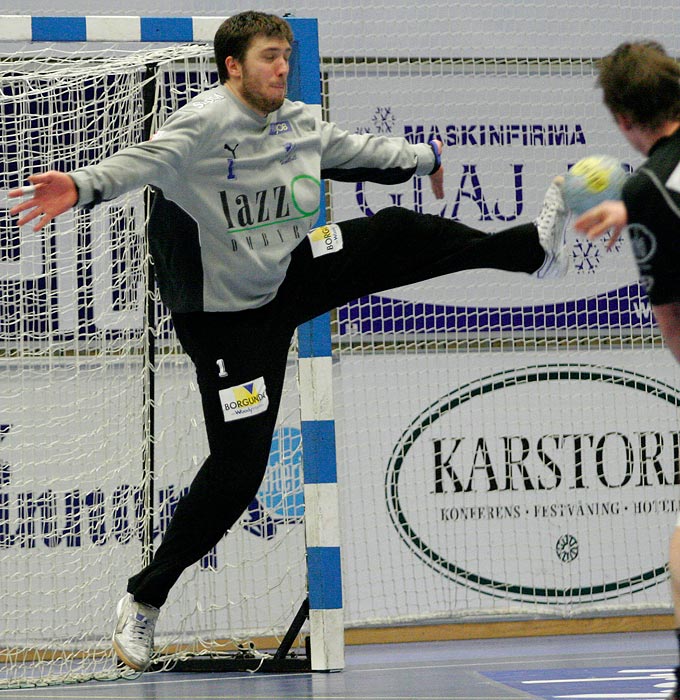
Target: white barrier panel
x=542 y=482
x=471 y=484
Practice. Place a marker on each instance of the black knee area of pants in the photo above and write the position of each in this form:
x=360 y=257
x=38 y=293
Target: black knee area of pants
x=392 y=218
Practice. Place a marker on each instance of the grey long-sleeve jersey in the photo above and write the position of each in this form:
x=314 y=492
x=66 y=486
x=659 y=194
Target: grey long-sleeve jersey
x=239 y=192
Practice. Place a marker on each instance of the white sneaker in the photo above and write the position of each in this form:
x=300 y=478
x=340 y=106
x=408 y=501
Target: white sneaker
x=552 y=224
x=133 y=635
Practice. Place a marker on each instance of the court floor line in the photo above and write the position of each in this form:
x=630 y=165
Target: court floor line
x=414 y=671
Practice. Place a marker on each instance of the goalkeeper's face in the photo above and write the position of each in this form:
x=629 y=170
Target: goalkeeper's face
x=261 y=79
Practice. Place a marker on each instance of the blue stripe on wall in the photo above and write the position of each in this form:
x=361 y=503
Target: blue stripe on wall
x=160 y=29
x=306 y=32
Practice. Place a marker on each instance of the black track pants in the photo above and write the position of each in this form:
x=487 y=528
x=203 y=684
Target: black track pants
x=393 y=248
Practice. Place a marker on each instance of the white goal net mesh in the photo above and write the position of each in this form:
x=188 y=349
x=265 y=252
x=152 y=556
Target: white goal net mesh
x=101 y=427
x=507 y=446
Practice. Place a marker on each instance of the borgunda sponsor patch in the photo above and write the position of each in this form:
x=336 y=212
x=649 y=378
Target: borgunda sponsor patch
x=325 y=240
x=244 y=400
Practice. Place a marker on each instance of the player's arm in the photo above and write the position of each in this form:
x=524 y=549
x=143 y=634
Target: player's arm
x=652 y=216
x=658 y=218
x=386 y=160
x=52 y=193
x=155 y=162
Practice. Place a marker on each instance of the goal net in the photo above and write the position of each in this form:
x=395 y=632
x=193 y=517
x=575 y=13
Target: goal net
x=507 y=447
x=101 y=427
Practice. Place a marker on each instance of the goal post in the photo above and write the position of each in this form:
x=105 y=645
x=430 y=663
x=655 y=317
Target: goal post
x=102 y=433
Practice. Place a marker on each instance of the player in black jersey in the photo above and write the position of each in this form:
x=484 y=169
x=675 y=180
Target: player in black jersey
x=641 y=88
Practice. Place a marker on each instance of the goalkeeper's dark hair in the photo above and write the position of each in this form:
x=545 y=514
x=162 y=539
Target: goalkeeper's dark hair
x=641 y=81
x=234 y=35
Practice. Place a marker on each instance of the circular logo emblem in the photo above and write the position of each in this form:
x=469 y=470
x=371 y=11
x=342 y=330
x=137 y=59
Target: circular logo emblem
x=567 y=548
x=643 y=243
x=501 y=489
x=306 y=194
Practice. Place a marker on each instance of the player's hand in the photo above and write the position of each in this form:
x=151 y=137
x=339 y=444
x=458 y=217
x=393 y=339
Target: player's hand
x=437 y=179
x=610 y=215
x=51 y=193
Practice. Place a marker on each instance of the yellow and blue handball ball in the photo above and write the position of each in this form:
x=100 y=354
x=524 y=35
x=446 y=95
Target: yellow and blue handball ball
x=592 y=180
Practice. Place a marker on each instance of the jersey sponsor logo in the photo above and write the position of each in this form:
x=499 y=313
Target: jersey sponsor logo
x=258 y=240
x=278 y=128
x=290 y=153
x=244 y=400
x=243 y=212
x=246 y=211
x=325 y=240
x=231 y=149
x=206 y=100
x=231 y=175
x=647 y=282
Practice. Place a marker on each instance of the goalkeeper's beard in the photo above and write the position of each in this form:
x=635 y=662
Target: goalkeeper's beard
x=260 y=101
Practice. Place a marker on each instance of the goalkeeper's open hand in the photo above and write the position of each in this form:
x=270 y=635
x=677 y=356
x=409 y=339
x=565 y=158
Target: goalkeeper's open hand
x=51 y=193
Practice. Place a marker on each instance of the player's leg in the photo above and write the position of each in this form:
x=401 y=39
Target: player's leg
x=240 y=362
x=397 y=246
x=674 y=564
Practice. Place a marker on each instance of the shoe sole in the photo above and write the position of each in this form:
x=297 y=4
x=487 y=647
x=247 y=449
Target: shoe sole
x=126 y=660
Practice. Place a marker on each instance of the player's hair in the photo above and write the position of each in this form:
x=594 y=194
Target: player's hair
x=641 y=81
x=234 y=35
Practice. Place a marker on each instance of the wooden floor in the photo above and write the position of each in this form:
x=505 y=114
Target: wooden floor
x=633 y=666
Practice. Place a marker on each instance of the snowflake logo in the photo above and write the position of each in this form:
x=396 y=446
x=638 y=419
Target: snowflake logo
x=586 y=257
x=567 y=548
x=383 y=120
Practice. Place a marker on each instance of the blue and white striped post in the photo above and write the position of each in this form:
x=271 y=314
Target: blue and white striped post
x=322 y=526
x=322 y=523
